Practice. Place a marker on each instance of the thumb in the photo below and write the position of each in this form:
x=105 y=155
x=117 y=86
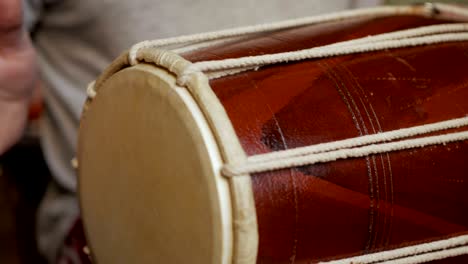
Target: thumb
x=11 y=22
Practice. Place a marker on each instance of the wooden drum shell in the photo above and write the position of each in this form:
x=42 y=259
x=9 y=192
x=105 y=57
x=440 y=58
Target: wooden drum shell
x=388 y=200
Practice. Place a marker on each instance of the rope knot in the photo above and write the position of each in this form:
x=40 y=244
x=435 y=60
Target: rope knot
x=186 y=73
x=90 y=90
x=230 y=170
x=431 y=9
x=133 y=53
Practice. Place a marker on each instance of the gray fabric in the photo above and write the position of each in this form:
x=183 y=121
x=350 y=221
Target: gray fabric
x=58 y=212
x=32 y=11
x=77 y=39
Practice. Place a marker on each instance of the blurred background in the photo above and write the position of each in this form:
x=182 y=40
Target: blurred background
x=23 y=180
x=400 y=2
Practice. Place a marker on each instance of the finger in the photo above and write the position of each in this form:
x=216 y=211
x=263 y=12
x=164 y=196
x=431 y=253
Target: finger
x=10 y=14
x=10 y=21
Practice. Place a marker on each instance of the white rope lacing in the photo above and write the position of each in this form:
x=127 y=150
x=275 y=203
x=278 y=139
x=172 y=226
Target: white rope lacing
x=232 y=170
x=397 y=35
x=361 y=141
x=382 y=11
x=336 y=49
x=413 y=254
x=405 y=38
x=430 y=256
x=412 y=32
x=204 y=39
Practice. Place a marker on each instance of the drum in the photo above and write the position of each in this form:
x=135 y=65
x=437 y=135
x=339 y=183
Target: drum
x=340 y=138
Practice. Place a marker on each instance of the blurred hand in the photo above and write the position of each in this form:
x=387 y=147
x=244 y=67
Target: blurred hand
x=18 y=73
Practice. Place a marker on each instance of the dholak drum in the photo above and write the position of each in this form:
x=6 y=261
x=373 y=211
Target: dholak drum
x=340 y=138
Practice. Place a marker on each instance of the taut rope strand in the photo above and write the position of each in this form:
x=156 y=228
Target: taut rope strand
x=232 y=170
x=397 y=35
x=362 y=140
x=430 y=256
x=422 y=253
x=318 y=52
x=426 y=10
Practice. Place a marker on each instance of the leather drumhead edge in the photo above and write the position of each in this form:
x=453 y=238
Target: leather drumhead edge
x=149 y=182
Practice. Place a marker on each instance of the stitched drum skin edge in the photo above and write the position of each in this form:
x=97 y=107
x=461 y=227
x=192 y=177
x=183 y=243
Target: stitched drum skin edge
x=245 y=234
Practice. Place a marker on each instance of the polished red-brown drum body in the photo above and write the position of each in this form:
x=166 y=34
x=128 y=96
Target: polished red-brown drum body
x=358 y=205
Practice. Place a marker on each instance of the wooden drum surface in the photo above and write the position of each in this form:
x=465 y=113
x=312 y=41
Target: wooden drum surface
x=124 y=150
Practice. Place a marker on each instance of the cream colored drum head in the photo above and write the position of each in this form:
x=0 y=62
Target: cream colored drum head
x=150 y=187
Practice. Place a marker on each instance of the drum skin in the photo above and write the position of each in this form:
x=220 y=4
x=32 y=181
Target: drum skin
x=361 y=205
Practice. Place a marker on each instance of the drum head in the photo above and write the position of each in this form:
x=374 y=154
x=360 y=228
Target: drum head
x=149 y=181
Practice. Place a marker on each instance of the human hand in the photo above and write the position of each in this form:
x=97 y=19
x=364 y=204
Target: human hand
x=18 y=73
